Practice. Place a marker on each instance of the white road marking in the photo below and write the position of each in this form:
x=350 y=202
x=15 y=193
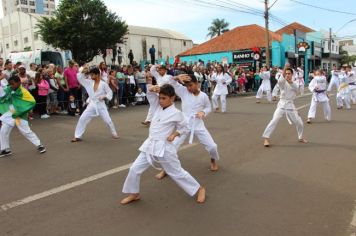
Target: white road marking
x=71 y=185
x=352 y=226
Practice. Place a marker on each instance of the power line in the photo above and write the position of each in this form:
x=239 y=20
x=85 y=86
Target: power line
x=323 y=8
x=273 y=4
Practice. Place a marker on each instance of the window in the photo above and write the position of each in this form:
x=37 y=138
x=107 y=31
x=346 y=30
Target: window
x=24 y=10
x=16 y=43
x=333 y=48
x=184 y=43
x=336 y=48
x=7 y=46
x=35 y=36
x=25 y=40
x=32 y=3
x=24 y=2
x=32 y=10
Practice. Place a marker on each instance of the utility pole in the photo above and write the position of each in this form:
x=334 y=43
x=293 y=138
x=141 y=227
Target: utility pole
x=330 y=43
x=268 y=57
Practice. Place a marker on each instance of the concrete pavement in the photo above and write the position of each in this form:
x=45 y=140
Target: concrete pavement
x=287 y=189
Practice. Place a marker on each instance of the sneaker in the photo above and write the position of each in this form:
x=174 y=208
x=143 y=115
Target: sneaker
x=41 y=149
x=122 y=105
x=45 y=116
x=115 y=107
x=5 y=153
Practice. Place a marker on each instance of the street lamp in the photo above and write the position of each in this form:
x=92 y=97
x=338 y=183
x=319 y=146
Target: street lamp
x=345 y=25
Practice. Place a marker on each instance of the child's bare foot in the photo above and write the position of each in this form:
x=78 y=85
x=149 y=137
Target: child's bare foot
x=201 y=195
x=161 y=175
x=266 y=143
x=303 y=140
x=130 y=198
x=147 y=123
x=74 y=140
x=214 y=166
x=115 y=136
x=309 y=121
x=258 y=101
x=216 y=110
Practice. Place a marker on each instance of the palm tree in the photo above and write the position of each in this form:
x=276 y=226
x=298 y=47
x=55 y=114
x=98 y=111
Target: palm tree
x=218 y=26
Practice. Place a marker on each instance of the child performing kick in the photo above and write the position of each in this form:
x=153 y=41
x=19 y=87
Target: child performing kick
x=318 y=87
x=167 y=124
x=195 y=107
x=285 y=107
x=98 y=91
x=15 y=104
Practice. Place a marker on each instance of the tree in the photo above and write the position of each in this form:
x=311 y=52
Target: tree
x=86 y=27
x=346 y=58
x=218 y=26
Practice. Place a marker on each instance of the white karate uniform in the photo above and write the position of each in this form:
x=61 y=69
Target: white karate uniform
x=265 y=86
x=191 y=105
x=161 y=80
x=299 y=76
x=8 y=123
x=352 y=84
x=222 y=81
x=335 y=82
x=96 y=105
x=157 y=150
x=343 y=93
x=286 y=108
x=276 y=90
x=318 y=87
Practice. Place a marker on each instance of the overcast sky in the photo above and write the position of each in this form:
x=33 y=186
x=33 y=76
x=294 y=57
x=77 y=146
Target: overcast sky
x=192 y=19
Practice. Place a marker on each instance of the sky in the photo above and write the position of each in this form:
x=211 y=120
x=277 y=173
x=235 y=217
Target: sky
x=192 y=19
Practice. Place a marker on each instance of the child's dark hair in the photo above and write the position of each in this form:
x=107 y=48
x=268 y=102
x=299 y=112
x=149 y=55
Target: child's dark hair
x=167 y=90
x=15 y=78
x=193 y=79
x=95 y=71
x=290 y=70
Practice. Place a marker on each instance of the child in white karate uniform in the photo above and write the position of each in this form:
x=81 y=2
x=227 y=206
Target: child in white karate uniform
x=265 y=87
x=158 y=149
x=195 y=106
x=98 y=91
x=15 y=104
x=159 y=72
x=318 y=87
x=286 y=107
x=222 y=80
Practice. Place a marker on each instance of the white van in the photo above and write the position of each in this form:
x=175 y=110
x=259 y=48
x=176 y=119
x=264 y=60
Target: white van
x=41 y=57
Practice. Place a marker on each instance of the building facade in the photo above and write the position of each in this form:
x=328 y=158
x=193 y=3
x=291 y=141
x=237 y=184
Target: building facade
x=168 y=44
x=18 y=33
x=45 y=7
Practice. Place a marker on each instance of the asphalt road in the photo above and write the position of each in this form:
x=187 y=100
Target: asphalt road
x=288 y=189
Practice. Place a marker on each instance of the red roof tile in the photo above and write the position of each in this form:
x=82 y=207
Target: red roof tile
x=289 y=29
x=242 y=37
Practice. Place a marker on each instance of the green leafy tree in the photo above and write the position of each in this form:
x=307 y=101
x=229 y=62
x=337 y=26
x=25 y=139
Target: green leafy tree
x=346 y=58
x=86 y=27
x=218 y=27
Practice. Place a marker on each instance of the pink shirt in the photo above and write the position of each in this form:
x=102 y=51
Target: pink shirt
x=71 y=75
x=43 y=88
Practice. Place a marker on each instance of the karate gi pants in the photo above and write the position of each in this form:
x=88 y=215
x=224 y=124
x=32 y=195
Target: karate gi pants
x=293 y=117
x=150 y=113
x=326 y=109
x=340 y=99
x=301 y=89
x=24 y=129
x=171 y=165
x=88 y=115
x=260 y=94
x=204 y=138
x=353 y=95
x=222 y=97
